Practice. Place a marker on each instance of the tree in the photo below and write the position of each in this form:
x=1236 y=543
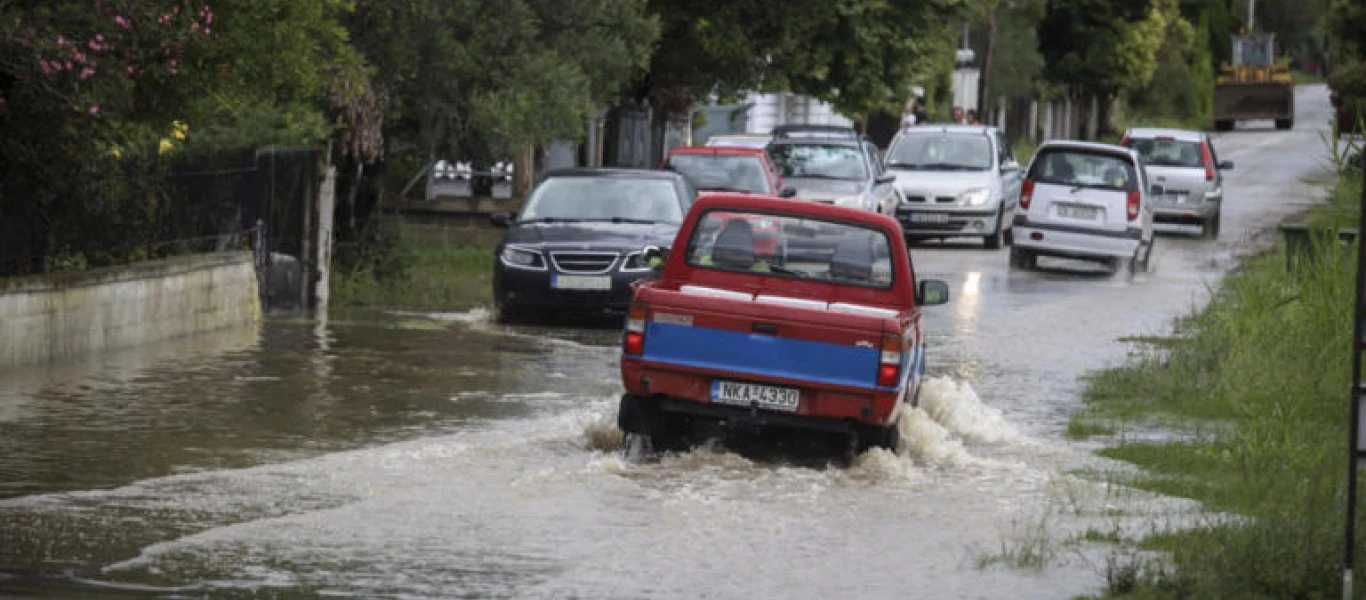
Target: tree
x=96 y=96
x=1098 y=48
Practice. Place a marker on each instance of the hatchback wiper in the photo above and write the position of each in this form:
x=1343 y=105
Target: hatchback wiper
x=904 y=165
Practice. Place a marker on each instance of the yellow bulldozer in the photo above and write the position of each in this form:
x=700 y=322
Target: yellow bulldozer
x=1256 y=86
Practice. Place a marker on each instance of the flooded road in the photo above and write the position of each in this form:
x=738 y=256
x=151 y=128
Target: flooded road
x=441 y=456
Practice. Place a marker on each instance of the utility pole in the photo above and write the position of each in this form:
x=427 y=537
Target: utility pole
x=984 y=76
x=1251 y=14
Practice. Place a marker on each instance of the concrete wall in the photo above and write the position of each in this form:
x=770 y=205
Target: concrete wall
x=68 y=315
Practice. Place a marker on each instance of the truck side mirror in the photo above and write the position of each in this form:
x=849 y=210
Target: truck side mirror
x=1226 y=165
x=932 y=292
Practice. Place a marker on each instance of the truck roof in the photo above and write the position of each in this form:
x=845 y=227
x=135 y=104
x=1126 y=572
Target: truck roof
x=750 y=202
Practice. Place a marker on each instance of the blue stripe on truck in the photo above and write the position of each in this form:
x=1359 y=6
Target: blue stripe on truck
x=756 y=354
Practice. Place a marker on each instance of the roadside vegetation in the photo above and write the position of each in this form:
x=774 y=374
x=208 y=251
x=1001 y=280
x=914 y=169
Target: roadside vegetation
x=399 y=268
x=1249 y=402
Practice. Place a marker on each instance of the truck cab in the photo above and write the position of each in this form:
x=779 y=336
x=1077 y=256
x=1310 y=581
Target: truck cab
x=820 y=331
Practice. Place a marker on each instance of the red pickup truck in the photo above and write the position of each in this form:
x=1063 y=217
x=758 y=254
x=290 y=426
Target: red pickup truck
x=822 y=335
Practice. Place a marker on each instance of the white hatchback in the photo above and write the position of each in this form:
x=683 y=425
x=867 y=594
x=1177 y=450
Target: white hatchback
x=1084 y=200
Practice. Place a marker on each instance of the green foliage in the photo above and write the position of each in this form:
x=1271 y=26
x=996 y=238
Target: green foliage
x=1016 y=65
x=1254 y=385
x=1102 y=47
x=1182 y=87
x=395 y=269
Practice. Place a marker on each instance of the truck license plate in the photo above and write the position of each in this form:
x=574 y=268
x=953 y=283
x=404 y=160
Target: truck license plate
x=929 y=218
x=581 y=282
x=750 y=394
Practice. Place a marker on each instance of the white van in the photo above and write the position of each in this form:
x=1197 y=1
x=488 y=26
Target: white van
x=1084 y=200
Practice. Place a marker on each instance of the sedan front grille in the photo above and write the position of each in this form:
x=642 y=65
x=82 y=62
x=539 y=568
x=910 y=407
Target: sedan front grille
x=583 y=262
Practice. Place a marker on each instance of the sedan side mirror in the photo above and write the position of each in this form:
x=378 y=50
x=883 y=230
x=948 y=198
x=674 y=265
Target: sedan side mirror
x=1226 y=165
x=932 y=292
x=885 y=178
x=501 y=219
x=787 y=192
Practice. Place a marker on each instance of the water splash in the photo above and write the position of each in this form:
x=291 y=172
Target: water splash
x=961 y=411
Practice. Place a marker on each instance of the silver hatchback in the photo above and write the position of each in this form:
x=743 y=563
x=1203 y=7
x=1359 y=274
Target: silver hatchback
x=1184 y=165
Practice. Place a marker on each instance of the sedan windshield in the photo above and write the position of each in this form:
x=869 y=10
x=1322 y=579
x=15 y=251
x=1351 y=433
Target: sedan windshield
x=604 y=199
x=946 y=152
x=1168 y=153
x=820 y=161
x=733 y=173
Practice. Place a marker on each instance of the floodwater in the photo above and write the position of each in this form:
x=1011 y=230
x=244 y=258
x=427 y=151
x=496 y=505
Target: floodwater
x=442 y=456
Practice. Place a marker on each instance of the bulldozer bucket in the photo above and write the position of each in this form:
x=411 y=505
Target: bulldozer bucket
x=1253 y=100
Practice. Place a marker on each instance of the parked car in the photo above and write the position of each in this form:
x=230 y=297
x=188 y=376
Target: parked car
x=1184 y=164
x=835 y=169
x=575 y=246
x=1084 y=200
x=827 y=339
x=956 y=180
x=727 y=169
x=738 y=140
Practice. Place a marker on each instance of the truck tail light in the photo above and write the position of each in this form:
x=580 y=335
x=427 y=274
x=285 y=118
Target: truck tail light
x=633 y=342
x=1131 y=204
x=1207 y=158
x=1026 y=193
x=889 y=367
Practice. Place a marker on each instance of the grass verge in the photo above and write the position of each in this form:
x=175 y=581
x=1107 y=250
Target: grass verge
x=443 y=271
x=1250 y=396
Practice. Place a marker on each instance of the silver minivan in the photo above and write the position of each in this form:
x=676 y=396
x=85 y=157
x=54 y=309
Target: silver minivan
x=1184 y=165
x=1084 y=200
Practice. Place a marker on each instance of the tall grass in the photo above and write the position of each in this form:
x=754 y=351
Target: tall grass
x=439 y=274
x=1255 y=388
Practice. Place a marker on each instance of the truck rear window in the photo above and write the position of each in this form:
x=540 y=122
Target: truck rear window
x=792 y=247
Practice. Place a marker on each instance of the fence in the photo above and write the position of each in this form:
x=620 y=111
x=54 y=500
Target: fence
x=248 y=199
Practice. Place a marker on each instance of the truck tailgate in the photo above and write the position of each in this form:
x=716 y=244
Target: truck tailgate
x=767 y=337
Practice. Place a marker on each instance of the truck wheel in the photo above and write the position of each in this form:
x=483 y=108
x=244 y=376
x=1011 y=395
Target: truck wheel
x=993 y=240
x=1223 y=125
x=879 y=437
x=631 y=415
x=1285 y=123
x=1022 y=259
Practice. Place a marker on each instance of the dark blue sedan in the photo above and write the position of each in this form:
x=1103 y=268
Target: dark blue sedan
x=576 y=246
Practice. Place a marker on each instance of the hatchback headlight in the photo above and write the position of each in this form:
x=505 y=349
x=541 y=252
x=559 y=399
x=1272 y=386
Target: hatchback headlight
x=522 y=258
x=977 y=196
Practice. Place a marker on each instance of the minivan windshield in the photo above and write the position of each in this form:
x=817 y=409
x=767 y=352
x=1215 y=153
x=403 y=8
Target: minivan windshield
x=604 y=199
x=1168 y=152
x=1080 y=168
x=792 y=247
x=940 y=152
x=819 y=161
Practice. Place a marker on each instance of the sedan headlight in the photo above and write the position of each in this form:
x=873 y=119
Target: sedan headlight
x=522 y=258
x=854 y=202
x=977 y=196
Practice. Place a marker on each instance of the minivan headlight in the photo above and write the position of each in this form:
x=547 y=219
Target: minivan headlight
x=522 y=258
x=977 y=196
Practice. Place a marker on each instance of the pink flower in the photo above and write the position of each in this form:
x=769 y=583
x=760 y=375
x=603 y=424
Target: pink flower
x=99 y=37
x=176 y=9
x=175 y=66
x=87 y=72
x=45 y=66
x=206 y=31
x=194 y=26
x=60 y=41
x=128 y=69
x=67 y=66
x=94 y=109
x=122 y=22
x=78 y=56
x=94 y=45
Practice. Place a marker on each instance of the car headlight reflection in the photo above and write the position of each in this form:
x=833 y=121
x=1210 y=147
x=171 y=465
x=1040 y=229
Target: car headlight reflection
x=975 y=196
x=853 y=202
x=522 y=258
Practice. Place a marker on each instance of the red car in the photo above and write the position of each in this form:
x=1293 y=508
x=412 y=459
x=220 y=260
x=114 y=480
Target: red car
x=714 y=169
x=823 y=336
x=727 y=169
